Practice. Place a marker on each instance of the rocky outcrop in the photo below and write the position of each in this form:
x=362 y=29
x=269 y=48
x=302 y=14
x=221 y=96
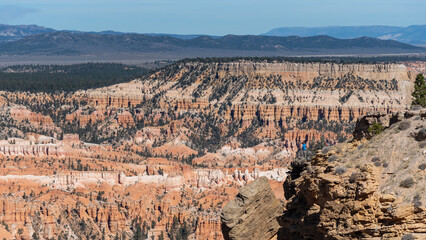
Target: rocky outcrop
x=379 y=121
x=371 y=187
x=361 y=189
x=253 y=214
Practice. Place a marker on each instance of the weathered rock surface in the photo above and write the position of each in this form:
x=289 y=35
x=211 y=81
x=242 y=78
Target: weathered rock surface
x=362 y=189
x=369 y=188
x=253 y=214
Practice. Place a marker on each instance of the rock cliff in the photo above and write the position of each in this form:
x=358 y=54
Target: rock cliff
x=370 y=187
x=226 y=100
x=273 y=91
x=247 y=97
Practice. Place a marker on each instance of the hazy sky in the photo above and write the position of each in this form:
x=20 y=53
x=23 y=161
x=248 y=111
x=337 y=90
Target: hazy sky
x=217 y=17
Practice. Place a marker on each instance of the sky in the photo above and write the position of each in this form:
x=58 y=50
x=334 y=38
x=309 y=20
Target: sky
x=213 y=17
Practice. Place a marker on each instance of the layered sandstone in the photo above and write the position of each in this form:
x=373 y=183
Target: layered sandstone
x=14 y=146
x=278 y=115
x=118 y=96
x=301 y=90
x=272 y=97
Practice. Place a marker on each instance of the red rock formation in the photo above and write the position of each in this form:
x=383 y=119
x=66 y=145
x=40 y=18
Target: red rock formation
x=83 y=118
x=22 y=115
x=104 y=101
x=109 y=217
x=14 y=212
x=17 y=214
x=271 y=115
x=125 y=119
x=185 y=104
x=208 y=228
x=175 y=110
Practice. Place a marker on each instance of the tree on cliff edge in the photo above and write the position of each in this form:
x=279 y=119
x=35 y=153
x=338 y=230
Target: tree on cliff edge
x=419 y=93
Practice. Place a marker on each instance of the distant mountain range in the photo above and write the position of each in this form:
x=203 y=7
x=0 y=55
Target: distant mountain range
x=78 y=43
x=10 y=33
x=24 y=40
x=16 y=32
x=415 y=34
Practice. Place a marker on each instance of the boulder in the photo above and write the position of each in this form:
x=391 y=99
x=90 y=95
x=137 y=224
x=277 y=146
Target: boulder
x=420 y=135
x=253 y=214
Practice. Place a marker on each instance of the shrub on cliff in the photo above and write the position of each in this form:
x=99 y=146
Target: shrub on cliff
x=376 y=128
x=407 y=183
x=419 y=93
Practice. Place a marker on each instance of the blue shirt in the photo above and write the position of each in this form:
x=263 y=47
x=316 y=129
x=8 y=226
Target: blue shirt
x=304 y=146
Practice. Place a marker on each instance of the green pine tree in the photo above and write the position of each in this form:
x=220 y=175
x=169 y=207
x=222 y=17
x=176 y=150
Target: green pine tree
x=419 y=93
x=35 y=236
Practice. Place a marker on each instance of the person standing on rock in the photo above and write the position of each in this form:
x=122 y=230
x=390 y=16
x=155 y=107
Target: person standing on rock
x=304 y=149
